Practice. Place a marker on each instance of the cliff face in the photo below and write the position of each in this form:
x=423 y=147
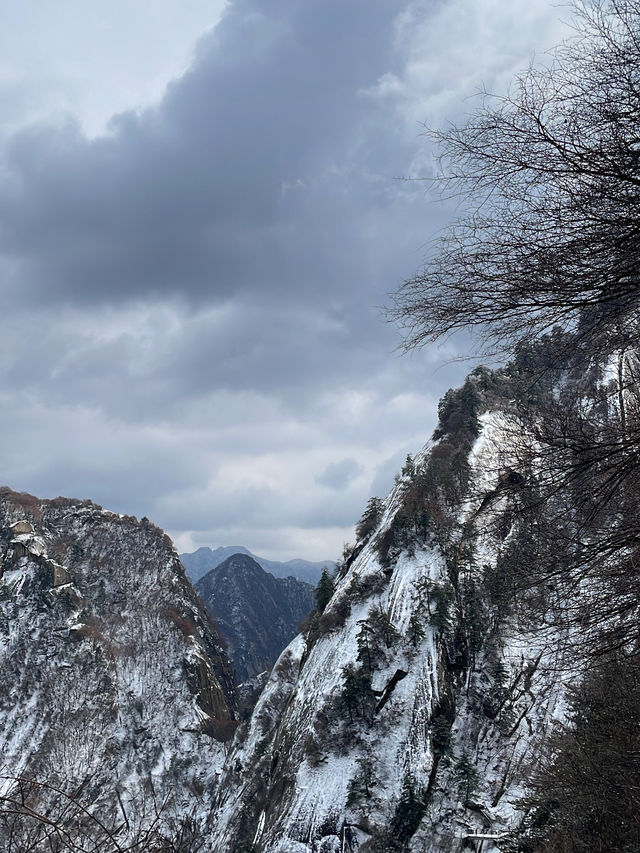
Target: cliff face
x=411 y=716
x=114 y=685
x=256 y=613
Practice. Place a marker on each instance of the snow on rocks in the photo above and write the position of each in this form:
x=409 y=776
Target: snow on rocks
x=100 y=652
x=308 y=753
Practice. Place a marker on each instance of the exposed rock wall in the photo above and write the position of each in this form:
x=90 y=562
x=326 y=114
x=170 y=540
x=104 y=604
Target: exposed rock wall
x=412 y=716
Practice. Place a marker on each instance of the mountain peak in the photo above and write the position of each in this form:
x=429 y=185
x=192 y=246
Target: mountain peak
x=256 y=613
x=201 y=561
x=108 y=663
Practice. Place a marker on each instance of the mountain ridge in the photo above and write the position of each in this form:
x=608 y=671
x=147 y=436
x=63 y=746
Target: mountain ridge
x=115 y=685
x=198 y=563
x=410 y=714
x=256 y=613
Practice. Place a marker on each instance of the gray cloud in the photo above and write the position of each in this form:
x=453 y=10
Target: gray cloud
x=338 y=475
x=191 y=325
x=244 y=177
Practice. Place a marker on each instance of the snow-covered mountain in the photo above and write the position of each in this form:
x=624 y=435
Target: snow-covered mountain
x=199 y=562
x=116 y=693
x=415 y=709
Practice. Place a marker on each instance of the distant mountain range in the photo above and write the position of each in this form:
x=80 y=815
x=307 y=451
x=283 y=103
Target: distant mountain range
x=256 y=613
x=199 y=562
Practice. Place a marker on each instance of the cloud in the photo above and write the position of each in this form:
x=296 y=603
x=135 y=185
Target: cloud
x=338 y=475
x=191 y=302
x=186 y=198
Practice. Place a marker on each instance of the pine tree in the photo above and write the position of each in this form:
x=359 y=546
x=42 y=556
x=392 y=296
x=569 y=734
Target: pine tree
x=360 y=786
x=474 y=621
x=350 y=691
x=409 y=811
x=409 y=469
x=324 y=590
x=422 y=595
x=441 y=735
x=357 y=694
x=501 y=682
x=383 y=627
x=370 y=518
x=466 y=777
x=364 y=642
x=440 y=617
x=416 y=630
x=377 y=633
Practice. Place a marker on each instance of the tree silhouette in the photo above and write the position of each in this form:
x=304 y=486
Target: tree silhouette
x=550 y=179
x=324 y=590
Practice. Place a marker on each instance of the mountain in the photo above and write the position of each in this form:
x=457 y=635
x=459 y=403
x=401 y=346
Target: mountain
x=472 y=680
x=256 y=613
x=198 y=563
x=116 y=692
x=415 y=712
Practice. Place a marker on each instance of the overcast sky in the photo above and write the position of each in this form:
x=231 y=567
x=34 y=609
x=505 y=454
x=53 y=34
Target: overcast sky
x=201 y=215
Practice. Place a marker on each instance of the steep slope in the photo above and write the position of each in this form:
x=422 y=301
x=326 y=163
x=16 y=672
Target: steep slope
x=198 y=563
x=114 y=684
x=412 y=713
x=256 y=613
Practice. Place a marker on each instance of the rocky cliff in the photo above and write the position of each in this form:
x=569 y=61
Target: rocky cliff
x=413 y=713
x=116 y=694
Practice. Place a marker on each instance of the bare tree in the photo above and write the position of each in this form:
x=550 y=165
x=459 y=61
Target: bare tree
x=40 y=817
x=549 y=240
x=549 y=176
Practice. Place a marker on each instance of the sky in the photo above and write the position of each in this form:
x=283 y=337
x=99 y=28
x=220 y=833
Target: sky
x=204 y=207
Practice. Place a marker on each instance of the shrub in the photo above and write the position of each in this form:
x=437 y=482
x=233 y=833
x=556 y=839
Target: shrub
x=185 y=623
x=362 y=588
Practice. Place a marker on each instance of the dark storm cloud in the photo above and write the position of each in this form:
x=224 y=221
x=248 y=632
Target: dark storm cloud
x=262 y=185
x=250 y=177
